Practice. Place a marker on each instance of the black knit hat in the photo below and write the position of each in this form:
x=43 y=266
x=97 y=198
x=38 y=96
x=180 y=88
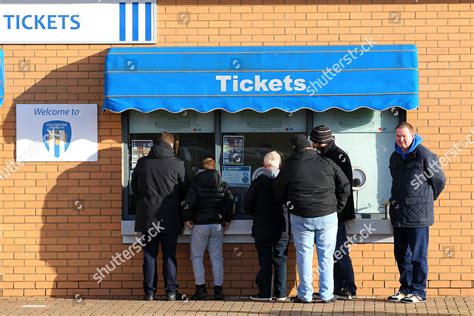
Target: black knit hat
x=299 y=141
x=321 y=134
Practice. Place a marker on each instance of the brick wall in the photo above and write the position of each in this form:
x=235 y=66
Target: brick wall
x=50 y=247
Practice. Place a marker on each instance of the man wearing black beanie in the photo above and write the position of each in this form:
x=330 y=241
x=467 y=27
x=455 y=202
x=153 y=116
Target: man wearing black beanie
x=344 y=281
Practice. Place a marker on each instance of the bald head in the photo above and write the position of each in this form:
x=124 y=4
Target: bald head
x=272 y=160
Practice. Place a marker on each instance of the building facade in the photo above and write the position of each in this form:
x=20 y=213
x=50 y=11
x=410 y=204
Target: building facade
x=63 y=225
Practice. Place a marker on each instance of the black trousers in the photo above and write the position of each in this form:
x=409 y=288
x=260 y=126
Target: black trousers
x=343 y=270
x=269 y=258
x=168 y=248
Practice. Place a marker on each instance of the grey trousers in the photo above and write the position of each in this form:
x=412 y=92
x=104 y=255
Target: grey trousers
x=210 y=236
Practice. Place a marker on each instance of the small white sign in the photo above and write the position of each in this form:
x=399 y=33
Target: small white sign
x=56 y=132
x=79 y=21
x=236 y=176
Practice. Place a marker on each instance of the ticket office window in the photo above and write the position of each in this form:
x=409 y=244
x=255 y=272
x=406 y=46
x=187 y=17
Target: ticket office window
x=261 y=133
x=247 y=136
x=194 y=132
x=366 y=135
x=368 y=138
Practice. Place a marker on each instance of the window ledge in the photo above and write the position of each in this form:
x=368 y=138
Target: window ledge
x=358 y=230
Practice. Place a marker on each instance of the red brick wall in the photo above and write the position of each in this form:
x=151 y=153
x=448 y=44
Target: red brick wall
x=49 y=247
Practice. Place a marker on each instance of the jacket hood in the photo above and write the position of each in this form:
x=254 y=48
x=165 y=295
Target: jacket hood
x=416 y=141
x=209 y=178
x=302 y=154
x=161 y=149
x=270 y=173
x=306 y=154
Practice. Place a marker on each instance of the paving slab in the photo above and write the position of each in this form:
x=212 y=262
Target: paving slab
x=231 y=306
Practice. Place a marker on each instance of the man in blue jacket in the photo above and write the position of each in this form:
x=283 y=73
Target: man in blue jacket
x=417 y=180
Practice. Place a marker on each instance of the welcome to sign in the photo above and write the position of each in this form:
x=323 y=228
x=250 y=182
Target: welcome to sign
x=77 y=22
x=56 y=132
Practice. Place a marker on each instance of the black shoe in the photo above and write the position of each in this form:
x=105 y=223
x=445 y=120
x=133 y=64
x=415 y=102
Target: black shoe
x=218 y=293
x=181 y=297
x=201 y=293
x=171 y=296
x=344 y=295
x=296 y=299
x=148 y=297
x=331 y=300
x=175 y=296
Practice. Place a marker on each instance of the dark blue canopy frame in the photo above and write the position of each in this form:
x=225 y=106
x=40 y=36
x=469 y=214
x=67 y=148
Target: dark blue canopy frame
x=288 y=78
x=2 y=78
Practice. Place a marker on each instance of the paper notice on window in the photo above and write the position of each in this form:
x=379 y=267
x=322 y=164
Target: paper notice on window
x=140 y=148
x=233 y=150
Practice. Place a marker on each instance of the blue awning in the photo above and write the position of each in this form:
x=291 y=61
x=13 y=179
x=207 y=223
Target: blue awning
x=2 y=78
x=288 y=78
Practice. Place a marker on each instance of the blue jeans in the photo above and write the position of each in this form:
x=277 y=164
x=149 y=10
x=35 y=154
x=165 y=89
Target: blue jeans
x=321 y=231
x=411 y=253
x=343 y=270
x=209 y=236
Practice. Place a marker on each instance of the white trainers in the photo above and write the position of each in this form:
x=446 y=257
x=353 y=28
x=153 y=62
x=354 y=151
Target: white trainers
x=397 y=297
x=258 y=298
x=280 y=299
x=413 y=298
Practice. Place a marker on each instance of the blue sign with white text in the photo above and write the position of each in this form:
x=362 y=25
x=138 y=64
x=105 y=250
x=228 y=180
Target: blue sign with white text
x=236 y=176
x=288 y=78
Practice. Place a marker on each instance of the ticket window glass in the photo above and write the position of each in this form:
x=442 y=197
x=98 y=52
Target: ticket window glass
x=246 y=137
x=194 y=131
x=368 y=138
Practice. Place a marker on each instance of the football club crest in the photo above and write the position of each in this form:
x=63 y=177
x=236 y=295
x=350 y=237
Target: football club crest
x=57 y=137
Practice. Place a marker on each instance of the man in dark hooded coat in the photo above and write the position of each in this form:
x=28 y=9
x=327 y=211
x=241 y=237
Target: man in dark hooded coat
x=158 y=182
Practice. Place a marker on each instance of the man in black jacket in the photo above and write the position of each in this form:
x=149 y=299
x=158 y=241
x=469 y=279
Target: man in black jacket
x=158 y=182
x=417 y=180
x=344 y=283
x=207 y=211
x=270 y=231
x=316 y=188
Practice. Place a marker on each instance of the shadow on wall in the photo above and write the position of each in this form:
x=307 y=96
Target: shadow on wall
x=77 y=209
x=79 y=204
